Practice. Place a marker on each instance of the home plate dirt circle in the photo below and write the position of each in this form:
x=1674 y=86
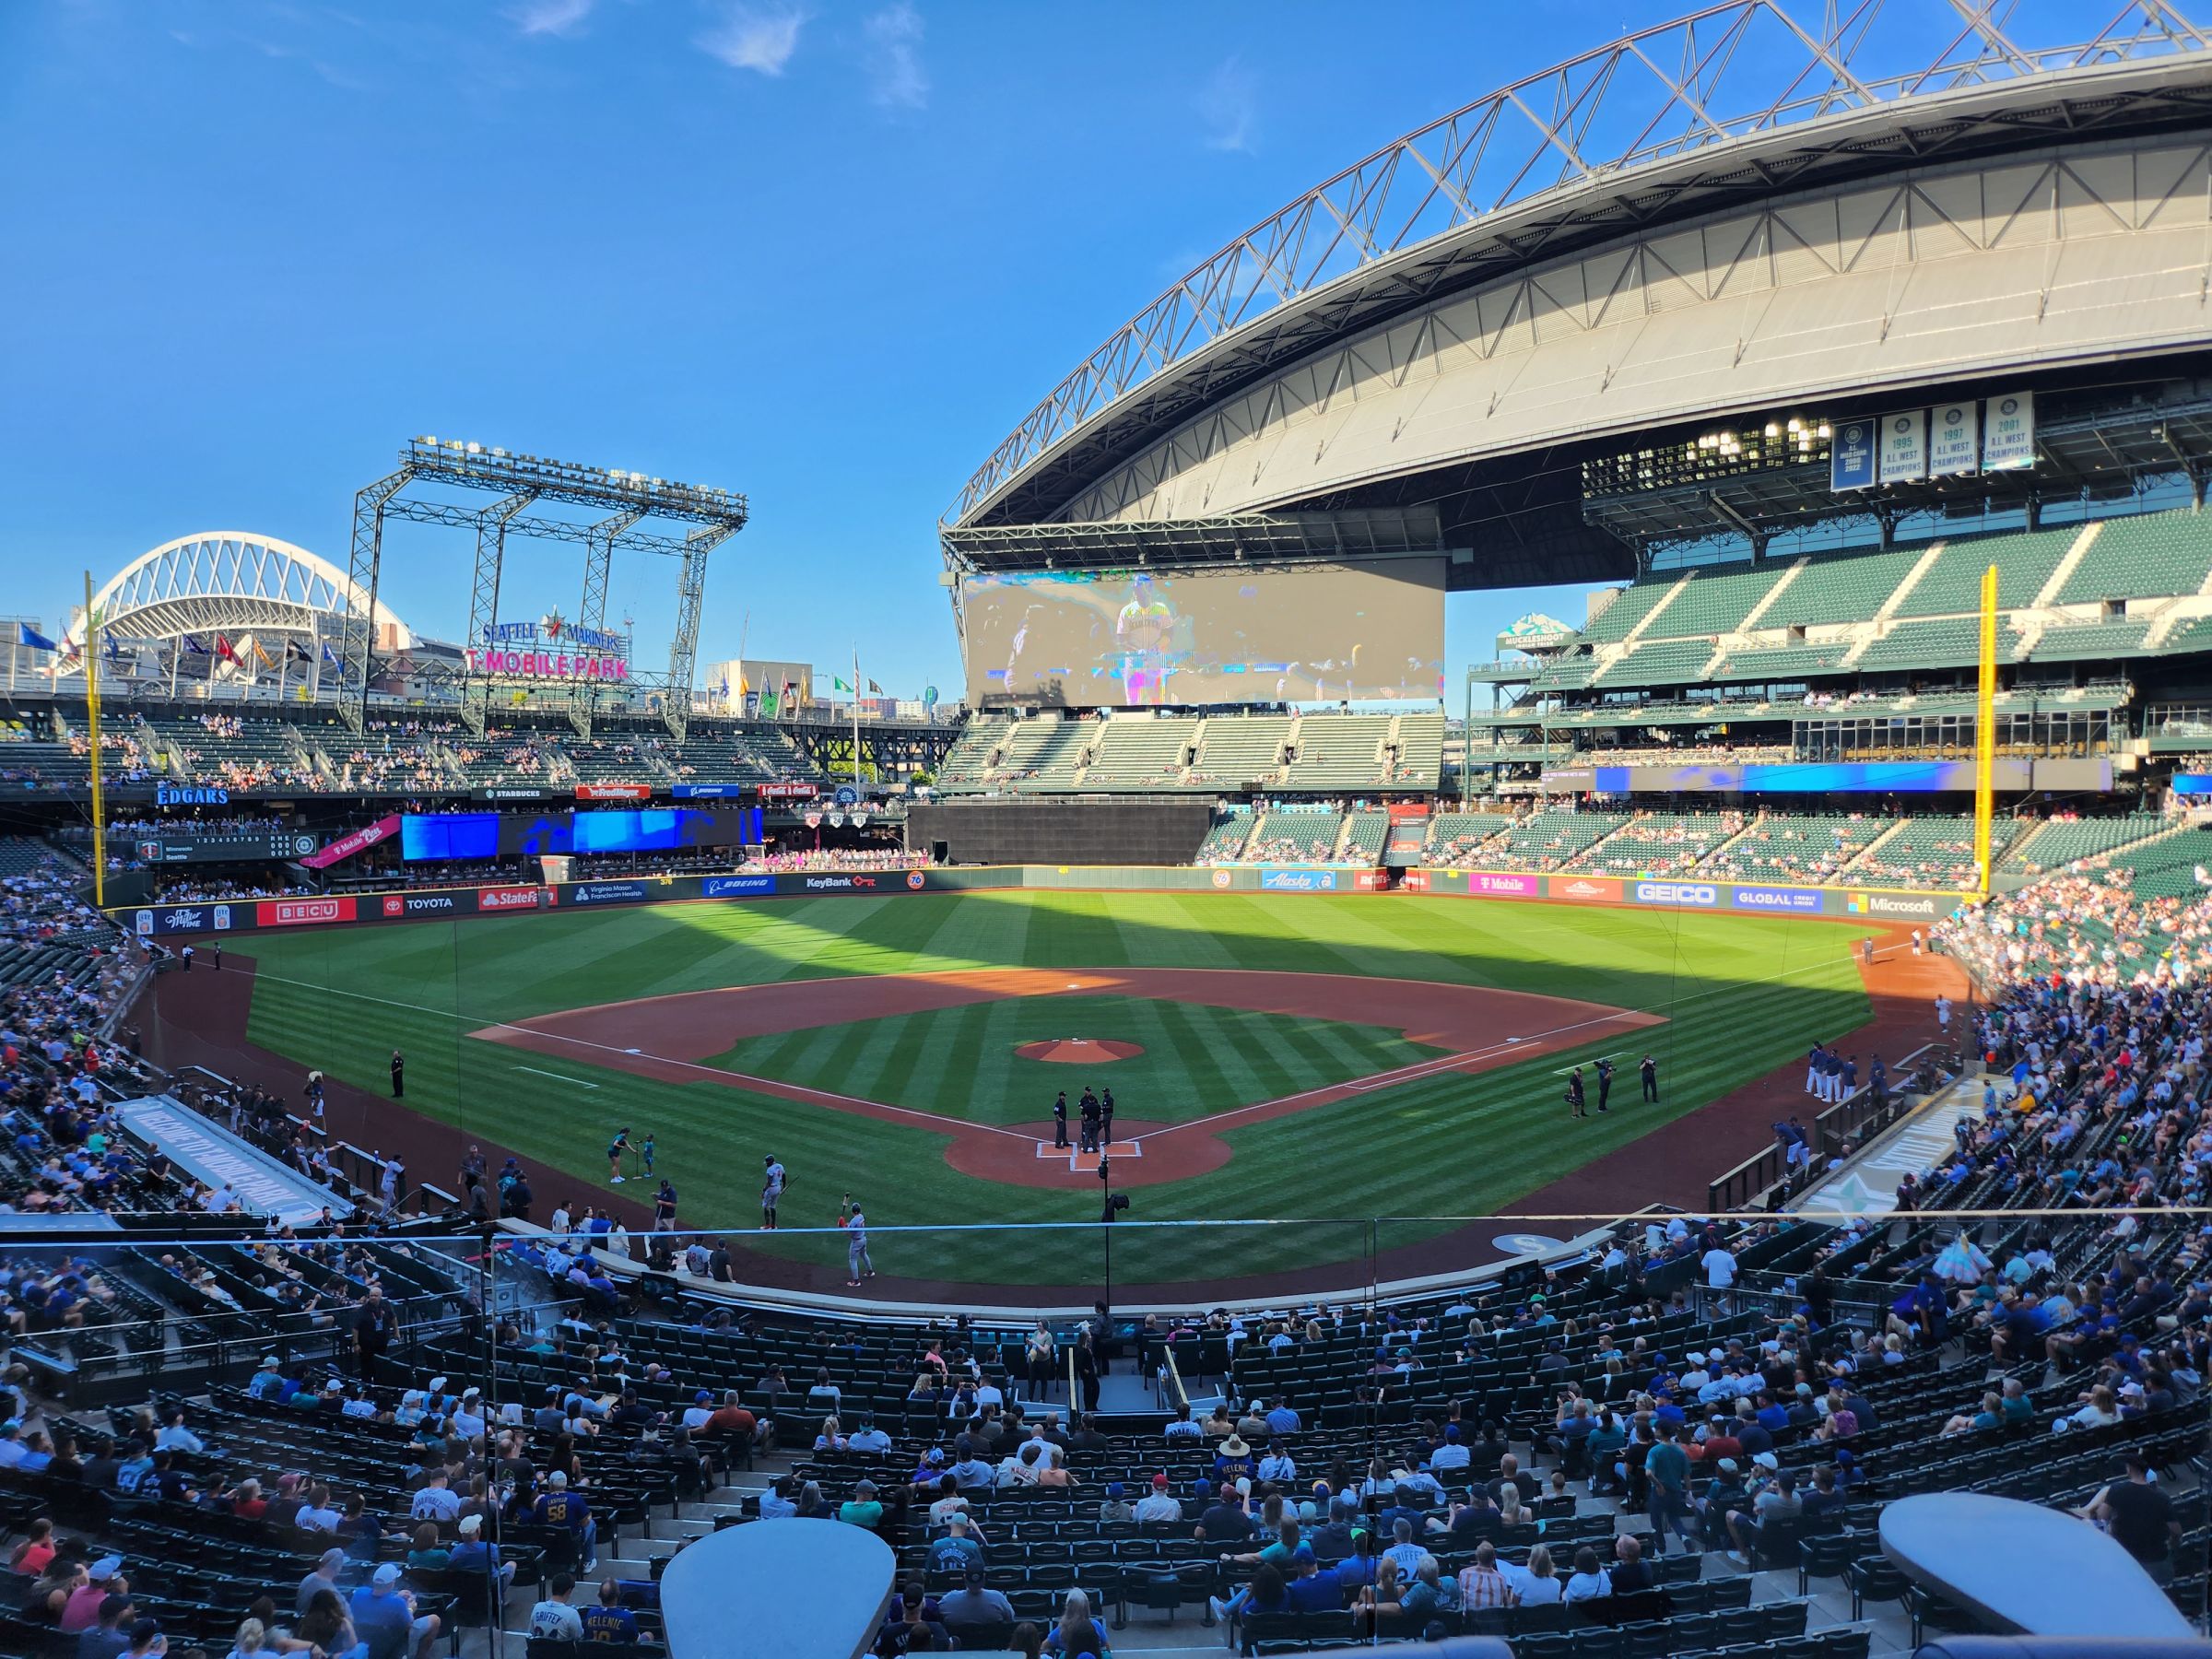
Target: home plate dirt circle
x=1078 y=1051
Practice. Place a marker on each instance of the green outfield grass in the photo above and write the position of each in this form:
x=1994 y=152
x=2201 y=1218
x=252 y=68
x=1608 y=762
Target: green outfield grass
x=1741 y=995
x=961 y=1062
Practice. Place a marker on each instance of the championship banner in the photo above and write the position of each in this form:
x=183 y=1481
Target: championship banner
x=346 y=847
x=837 y=820
x=813 y=821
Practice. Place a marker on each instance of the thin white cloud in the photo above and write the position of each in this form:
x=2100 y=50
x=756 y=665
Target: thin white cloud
x=1229 y=108
x=753 y=38
x=892 y=53
x=550 y=17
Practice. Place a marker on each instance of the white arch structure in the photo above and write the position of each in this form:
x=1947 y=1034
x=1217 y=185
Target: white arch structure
x=232 y=581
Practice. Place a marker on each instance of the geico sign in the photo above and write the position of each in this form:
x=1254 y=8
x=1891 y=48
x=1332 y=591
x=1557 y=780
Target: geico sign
x=1675 y=892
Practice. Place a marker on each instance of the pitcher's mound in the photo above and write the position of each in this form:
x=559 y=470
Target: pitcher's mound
x=1078 y=1051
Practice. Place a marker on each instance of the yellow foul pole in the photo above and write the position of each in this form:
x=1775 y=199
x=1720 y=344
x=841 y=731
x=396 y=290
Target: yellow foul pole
x=1985 y=728
x=99 y=817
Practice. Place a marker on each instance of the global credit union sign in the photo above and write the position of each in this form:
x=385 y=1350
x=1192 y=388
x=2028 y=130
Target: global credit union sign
x=1778 y=899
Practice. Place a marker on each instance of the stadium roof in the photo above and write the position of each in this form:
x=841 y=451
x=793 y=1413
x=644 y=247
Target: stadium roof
x=1736 y=100
x=225 y=579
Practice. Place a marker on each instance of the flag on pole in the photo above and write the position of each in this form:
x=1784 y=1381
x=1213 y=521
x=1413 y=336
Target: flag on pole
x=108 y=645
x=265 y=660
x=294 y=652
x=768 y=702
x=192 y=646
x=223 y=649
x=874 y=689
x=330 y=657
x=839 y=684
x=30 y=639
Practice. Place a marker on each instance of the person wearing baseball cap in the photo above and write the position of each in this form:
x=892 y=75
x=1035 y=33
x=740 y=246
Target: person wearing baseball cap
x=1158 y=1503
x=974 y=1608
x=383 y=1615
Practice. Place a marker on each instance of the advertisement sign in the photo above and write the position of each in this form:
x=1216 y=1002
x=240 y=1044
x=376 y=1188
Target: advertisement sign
x=1482 y=884
x=346 y=847
x=788 y=792
x=302 y=912
x=2008 y=432
x=546 y=664
x=1567 y=778
x=610 y=892
x=1416 y=881
x=1585 y=889
x=1904 y=446
x=182 y=919
x=736 y=887
x=1699 y=893
x=1778 y=899
x=2191 y=784
x=512 y=791
x=1850 y=456
x=495 y=899
x=614 y=792
x=1408 y=812
x=213 y=1155
x=1922 y=907
x=187 y=795
x=705 y=791
x=840 y=883
x=1298 y=881
x=1954 y=439
x=1364 y=881
x=459 y=903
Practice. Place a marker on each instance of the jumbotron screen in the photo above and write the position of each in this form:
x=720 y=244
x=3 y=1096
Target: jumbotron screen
x=1118 y=638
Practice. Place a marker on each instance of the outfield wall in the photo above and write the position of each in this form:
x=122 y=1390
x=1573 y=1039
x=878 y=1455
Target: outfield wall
x=1907 y=907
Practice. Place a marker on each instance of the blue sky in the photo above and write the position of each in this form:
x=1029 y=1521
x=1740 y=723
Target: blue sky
x=825 y=254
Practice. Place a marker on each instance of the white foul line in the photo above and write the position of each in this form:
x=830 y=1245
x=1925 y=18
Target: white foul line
x=561 y=1077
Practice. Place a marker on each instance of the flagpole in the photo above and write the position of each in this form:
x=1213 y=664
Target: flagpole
x=856 y=719
x=100 y=819
x=176 y=656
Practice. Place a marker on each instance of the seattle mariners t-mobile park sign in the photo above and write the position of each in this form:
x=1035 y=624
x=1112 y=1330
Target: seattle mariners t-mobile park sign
x=551 y=647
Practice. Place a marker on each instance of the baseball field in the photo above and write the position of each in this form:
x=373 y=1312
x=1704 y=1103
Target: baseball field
x=1322 y=1058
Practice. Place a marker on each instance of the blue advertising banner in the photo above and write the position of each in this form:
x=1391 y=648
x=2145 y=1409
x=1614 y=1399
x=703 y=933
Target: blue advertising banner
x=735 y=887
x=2191 y=784
x=705 y=791
x=1298 y=881
x=1778 y=899
x=1699 y=893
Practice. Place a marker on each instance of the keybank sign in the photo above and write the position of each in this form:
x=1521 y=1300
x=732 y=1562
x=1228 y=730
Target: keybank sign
x=1677 y=893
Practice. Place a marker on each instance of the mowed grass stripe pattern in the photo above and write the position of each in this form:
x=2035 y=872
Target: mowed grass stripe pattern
x=1742 y=995
x=963 y=1062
